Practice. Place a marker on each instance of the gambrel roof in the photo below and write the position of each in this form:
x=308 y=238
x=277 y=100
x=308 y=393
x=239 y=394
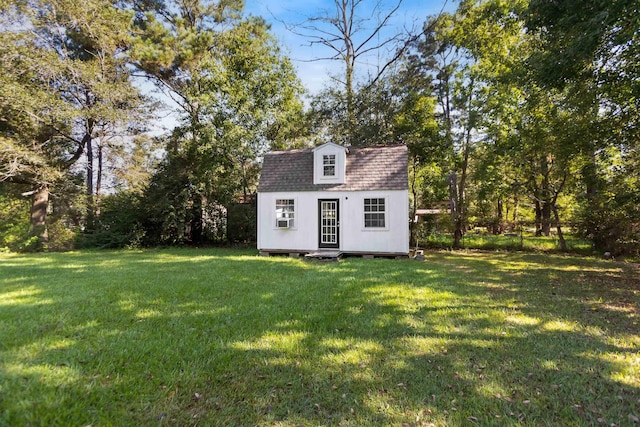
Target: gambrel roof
x=372 y=168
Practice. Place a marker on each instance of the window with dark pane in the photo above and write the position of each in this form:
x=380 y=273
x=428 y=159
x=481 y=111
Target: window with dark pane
x=329 y=165
x=374 y=213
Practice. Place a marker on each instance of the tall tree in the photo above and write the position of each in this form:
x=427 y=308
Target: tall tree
x=522 y=122
x=591 y=51
x=62 y=75
x=237 y=95
x=352 y=31
x=447 y=60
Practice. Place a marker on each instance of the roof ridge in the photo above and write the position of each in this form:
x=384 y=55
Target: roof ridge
x=377 y=147
x=351 y=148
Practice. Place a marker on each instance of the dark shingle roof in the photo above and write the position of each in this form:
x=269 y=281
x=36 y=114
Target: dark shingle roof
x=374 y=168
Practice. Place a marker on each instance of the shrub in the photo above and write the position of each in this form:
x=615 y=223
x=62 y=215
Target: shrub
x=613 y=223
x=119 y=224
x=61 y=237
x=14 y=222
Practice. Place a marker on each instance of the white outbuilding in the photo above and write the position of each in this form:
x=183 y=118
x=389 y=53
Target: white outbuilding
x=334 y=198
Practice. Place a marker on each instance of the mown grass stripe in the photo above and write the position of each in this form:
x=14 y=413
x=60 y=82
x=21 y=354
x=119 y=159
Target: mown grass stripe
x=223 y=337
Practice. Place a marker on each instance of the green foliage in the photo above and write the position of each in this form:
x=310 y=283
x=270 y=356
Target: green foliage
x=61 y=237
x=591 y=51
x=329 y=116
x=611 y=218
x=242 y=222
x=576 y=35
x=238 y=96
x=534 y=97
x=64 y=87
x=430 y=185
x=14 y=221
x=513 y=110
x=120 y=225
x=168 y=204
x=481 y=239
x=355 y=112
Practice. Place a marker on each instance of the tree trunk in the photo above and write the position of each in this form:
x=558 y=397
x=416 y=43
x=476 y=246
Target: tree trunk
x=563 y=243
x=546 y=218
x=346 y=15
x=538 y=211
x=590 y=178
x=545 y=199
x=554 y=208
x=497 y=227
x=98 y=182
x=88 y=141
x=196 y=221
x=351 y=116
x=89 y=221
x=414 y=193
x=39 y=207
x=461 y=217
x=453 y=205
x=457 y=234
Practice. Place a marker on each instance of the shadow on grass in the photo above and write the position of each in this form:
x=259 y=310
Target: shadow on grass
x=211 y=337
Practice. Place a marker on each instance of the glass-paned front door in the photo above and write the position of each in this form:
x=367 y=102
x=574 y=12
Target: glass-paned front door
x=329 y=225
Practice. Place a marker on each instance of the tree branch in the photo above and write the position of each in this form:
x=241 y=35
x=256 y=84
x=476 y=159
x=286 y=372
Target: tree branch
x=408 y=42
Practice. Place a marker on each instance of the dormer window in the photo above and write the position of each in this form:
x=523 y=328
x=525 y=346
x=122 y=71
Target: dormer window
x=329 y=165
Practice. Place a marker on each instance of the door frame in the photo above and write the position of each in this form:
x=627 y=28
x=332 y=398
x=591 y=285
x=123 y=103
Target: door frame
x=335 y=245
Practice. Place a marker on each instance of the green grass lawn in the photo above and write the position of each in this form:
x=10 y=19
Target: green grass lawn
x=512 y=242
x=223 y=337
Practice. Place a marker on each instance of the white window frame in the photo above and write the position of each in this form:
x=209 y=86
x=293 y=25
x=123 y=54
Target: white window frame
x=282 y=212
x=329 y=161
x=384 y=212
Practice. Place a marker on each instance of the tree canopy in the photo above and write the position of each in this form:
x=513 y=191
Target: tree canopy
x=516 y=113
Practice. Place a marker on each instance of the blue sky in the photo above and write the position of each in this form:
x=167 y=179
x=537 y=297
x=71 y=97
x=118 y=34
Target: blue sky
x=316 y=74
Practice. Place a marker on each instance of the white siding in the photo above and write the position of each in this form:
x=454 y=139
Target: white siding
x=354 y=237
